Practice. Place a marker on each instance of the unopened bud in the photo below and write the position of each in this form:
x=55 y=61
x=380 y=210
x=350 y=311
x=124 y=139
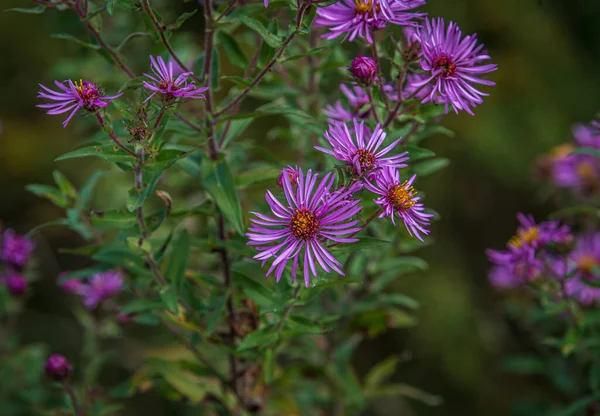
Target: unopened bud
x=58 y=367
x=364 y=70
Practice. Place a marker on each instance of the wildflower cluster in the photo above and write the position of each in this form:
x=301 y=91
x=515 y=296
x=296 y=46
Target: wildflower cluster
x=193 y=259
x=15 y=254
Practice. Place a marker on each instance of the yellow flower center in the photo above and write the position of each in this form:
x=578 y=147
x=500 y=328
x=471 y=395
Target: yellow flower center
x=304 y=224
x=562 y=151
x=366 y=159
x=585 y=170
x=586 y=263
x=527 y=236
x=402 y=196
x=365 y=8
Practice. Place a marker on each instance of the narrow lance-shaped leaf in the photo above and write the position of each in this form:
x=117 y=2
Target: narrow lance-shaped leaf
x=218 y=181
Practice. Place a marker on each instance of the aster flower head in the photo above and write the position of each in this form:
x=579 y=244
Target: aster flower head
x=581 y=270
x=15 y=283
x=101 y=286
x=71 y=286
x=58 y=367
x=522 y=252
x=504 y=277
x=16 y=249
x=361 y=152
x=401 y=12
x=302 y=225
x=359 y=104
x=587 y=135
x=580 y=172
x=399 y=199
x=74 y=97
x=364 y=70
x=163 y=82
x=453 y=64
x=292 y=174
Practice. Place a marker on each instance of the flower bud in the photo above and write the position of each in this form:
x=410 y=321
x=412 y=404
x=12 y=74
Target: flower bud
x=16 y=284
x=364 y=70
x=58 y=367
x=292 y=174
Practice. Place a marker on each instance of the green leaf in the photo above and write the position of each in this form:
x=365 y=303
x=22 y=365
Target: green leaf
x=309 y=53
x=132 y=84
x=107 y=152
x=257 y=339
x=417 y=153
x=574 y=211
x=165 y=159
x=236 y=128
x=181 y=19
x=381 y=372
x=178 y=258
x=244 y=82
x=113 y=219
x=269 y=366
x=429 y=167
x=142 y=305
x=65 y=186
x=270 y=39
x=254 y=176
x=50 y=193
x=232 y=50
x=579 y=406
x=39 y=9
x=72 y=38
x=137 y=198
x=524 y=365
x=365 y=243
x=85 y=193
x=168 y=296
x=255 y=290
x=218 y=181
x=586 y=151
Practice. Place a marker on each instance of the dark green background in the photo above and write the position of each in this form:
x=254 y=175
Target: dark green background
x=548 y=54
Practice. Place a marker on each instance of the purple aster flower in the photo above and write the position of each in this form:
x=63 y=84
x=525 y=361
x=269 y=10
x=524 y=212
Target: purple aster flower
x=74 y=97
x=178 y=69
x=292 y=174
x=452 y=63
x=363 y=156
x=58 y=367
x=578 y=171
x=15 y=283
x=16 y=249
x=399 y=198
x=164 y=83
x=358 y=101
x=301 y=227
x=504 y=278
x=587 y=135
x=101 y=287
x=581 y=270
x=399 y=12
x=72 y=286
x=523 y=248
x=364 y=70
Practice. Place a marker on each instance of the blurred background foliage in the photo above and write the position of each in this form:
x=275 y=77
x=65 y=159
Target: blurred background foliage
x=548 y=53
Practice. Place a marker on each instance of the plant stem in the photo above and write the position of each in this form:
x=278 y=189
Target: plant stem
x=392 y=114
x=372 y=102
x=267 y=67
x=379 y=77
x=228 y=10
x=112 y=134
x=79 y=411
x=110 y=50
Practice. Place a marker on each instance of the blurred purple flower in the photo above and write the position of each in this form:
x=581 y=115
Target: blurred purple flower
x=164 y=83
x=58 y=367
x=399 y=198
x=577 y=171
x=521 y=255
x=291 y=173
x=452 y=64
x=358 y=101
x=101 y=286
x=71 y=286
x=305 y=223
x=15 y=283
x=360 y=152
x=587 y=135
x=74 y=97
x=16 y=249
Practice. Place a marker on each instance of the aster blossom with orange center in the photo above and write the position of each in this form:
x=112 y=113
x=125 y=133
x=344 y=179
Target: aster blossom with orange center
x=359 y=18
x=452 y=63
x=399 y=199
x=165 y=83
x=73 y=97
x=360 y=148
x=301 y=228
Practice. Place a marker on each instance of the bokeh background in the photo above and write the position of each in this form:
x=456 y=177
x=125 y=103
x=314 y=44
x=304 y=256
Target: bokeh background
x=548 y=53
